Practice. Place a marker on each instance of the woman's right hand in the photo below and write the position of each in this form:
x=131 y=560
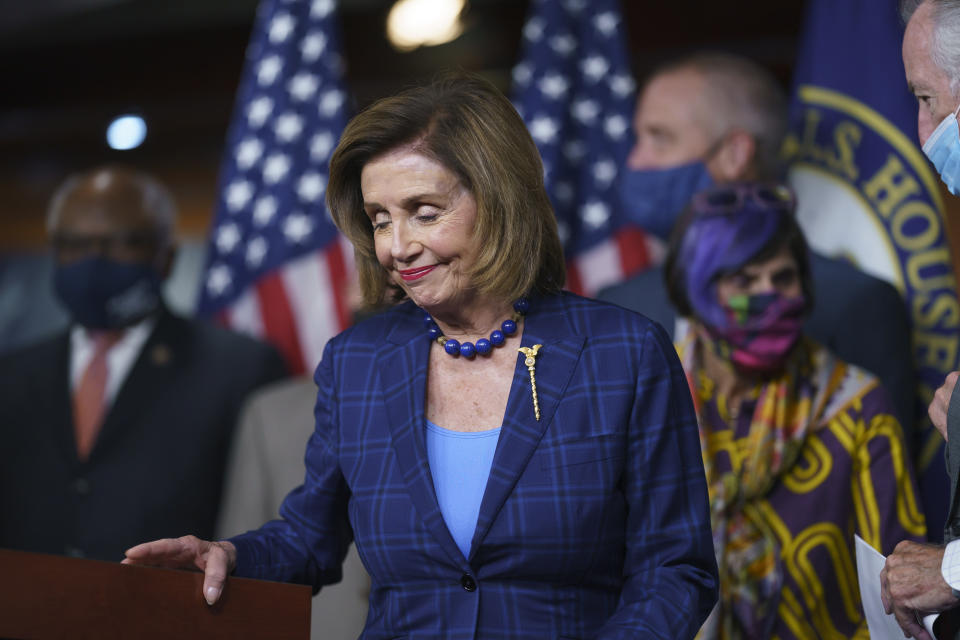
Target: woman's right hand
x=217 y=560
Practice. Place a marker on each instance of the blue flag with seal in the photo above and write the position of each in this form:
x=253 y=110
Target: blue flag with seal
x=866 y=192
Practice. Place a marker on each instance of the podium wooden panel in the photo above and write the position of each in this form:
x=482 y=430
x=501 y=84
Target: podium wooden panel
x=44 y=596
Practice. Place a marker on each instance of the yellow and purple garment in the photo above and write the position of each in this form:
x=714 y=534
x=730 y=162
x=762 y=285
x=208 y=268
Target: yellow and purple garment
x=814 y=456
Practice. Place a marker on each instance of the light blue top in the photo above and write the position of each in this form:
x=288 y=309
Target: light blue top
x=460 y=464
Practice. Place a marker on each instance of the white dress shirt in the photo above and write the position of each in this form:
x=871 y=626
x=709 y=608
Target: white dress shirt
x=950 y=566
x=120 y=357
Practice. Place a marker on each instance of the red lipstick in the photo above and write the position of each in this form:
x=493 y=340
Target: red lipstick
x=410 y=275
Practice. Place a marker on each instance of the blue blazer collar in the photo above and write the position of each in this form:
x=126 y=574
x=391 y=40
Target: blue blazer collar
x=403 y=377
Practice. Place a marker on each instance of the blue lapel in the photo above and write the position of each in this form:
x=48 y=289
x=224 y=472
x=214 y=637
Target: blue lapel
x=403 y=382
x=546 y=324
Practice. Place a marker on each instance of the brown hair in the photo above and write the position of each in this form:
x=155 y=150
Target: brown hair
x=463 y=122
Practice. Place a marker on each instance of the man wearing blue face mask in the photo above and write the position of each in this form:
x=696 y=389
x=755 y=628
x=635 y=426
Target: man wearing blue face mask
x=920 y=578
x=118 y=428
x=715 y=118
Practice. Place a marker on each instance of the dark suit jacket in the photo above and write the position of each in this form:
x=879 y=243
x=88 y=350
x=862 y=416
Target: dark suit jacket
x=860 y=318
x=952 y=451
x=157 y=466
x=949 y=621
x=594 y=522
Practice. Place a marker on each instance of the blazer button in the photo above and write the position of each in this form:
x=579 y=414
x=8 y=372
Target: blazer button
x=468 y=583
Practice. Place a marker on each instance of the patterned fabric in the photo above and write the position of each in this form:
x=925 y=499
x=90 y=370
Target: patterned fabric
x=813 y=456
x=594 y=522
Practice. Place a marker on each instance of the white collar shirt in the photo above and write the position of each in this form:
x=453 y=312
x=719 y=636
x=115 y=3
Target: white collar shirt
x=120 y=357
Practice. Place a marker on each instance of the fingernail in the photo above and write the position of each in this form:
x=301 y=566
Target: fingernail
x=212 y=593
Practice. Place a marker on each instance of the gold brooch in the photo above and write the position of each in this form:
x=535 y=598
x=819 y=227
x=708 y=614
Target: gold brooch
x=531 y=362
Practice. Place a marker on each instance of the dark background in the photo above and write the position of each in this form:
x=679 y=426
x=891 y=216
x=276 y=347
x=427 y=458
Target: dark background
x=68 y=67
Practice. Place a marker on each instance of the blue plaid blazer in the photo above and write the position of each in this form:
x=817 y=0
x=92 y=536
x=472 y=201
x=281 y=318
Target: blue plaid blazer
x=594 y=522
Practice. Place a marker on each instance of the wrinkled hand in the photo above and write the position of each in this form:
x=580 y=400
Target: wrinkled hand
x=941 y=402
x=911 y=583
x=216 y=559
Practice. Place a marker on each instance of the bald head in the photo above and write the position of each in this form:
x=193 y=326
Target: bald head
x=691 y=108
x=117 y=195
x=114 y=209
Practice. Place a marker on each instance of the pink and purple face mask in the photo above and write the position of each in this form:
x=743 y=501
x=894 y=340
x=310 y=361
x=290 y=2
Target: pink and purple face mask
x=761 y=331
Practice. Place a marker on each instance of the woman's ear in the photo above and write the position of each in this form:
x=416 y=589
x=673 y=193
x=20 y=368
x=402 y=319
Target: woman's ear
x=734 y=160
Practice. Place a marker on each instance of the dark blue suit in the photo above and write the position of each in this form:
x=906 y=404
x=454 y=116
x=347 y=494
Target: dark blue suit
x=594 y=522
x=156 y=469
x=858 y=317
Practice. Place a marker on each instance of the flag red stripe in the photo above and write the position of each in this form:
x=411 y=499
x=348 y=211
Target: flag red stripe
x=574 y=283
x=279 y=322
x=338 y=282
x=634 y=256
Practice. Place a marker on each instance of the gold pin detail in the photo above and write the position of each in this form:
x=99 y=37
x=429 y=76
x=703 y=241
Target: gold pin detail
x=531 y=362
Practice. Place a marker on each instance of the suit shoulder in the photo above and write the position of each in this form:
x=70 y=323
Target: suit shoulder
x=834 y=274
x=635 y=288
x=205 y=344
x=222 y=339
x=36 y=354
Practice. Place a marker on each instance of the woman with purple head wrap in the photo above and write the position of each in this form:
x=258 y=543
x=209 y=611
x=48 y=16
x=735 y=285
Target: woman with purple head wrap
x=801 y=450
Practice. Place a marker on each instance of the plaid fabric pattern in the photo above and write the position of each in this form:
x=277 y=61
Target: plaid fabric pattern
x=594 y=521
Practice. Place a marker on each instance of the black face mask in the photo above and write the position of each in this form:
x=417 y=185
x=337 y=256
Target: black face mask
x=107 y=294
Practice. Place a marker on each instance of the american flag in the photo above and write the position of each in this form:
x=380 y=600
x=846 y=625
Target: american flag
x=276 y=266
x=574 y=89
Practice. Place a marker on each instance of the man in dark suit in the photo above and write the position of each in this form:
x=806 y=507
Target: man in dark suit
x=712 y=118
x=118 y=429
x=925 y=577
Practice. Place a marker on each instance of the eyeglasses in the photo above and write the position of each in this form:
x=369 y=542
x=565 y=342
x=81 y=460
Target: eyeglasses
x=115 y=244
x=731 y=198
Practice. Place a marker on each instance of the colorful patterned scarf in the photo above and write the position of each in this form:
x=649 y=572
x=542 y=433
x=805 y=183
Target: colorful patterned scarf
x=789 y=405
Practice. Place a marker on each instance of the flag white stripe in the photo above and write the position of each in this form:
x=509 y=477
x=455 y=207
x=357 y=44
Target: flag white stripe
x=244 y=315
x=599 y=267
x=306 y=281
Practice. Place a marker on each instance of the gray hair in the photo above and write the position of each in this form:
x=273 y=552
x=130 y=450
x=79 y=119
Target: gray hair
x=945 y=48
x=156 y=200
x=742 y=95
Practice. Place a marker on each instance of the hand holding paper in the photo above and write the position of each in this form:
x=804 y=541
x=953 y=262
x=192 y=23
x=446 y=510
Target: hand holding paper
x=872 y=569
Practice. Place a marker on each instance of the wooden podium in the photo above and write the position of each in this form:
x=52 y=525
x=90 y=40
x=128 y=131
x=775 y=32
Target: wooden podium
x=44 y=596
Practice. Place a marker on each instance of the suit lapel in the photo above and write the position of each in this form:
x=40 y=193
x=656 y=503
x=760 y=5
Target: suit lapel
x=61 y=406
x=521 y=432
x=403 y=383
x=158 y=360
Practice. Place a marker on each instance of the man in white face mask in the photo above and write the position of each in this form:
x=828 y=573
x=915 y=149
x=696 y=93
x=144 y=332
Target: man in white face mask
x=925 y=578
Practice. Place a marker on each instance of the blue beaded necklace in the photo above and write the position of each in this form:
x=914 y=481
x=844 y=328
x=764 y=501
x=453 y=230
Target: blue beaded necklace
x=483 y=346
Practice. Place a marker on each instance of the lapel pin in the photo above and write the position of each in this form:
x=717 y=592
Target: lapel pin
x=531 y=362
x=160 y=355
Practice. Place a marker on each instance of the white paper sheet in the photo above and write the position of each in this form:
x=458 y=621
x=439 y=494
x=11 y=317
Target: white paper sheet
x=869 y=565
